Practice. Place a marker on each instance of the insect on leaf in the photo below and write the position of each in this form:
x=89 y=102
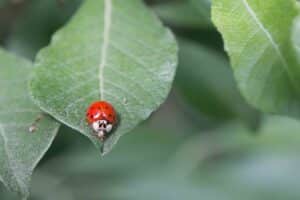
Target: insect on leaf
x=112 y=50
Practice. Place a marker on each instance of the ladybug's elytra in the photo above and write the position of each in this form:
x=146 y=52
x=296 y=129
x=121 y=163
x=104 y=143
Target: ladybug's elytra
x=102 y=117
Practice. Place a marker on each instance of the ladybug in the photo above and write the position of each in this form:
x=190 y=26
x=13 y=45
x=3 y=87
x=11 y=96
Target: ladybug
x=101 y=117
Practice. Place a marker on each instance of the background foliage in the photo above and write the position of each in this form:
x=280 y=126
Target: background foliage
x=205 y=141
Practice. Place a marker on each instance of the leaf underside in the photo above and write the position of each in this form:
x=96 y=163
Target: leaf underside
x=112 y=50
x=20 y=150
x=257 y=37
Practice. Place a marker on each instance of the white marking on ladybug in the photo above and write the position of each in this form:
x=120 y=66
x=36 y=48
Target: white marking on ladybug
x=125 y=101
x=102 y=127
x=109 y=128
x=97 y=115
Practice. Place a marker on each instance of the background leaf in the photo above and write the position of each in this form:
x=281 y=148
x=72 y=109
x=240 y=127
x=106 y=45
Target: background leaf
x=203 y=7
x=20 y=150
x=257 y=39
x=295 y=36
x=217 y=97
x=112 y=50
x=184 y=14
x=225 y=163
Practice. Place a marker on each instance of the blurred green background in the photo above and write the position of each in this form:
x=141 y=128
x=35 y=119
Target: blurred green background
x=205 y=142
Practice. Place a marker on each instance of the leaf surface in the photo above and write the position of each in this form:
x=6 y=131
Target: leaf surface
x=257 y=37
x=20 y=150
x=295 y=36
x=111 y=50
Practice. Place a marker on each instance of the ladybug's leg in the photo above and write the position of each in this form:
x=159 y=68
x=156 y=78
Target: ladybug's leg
x=101 y=135
x=98 y=135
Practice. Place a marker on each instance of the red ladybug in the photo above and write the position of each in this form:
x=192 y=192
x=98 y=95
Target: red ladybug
x=102 y=117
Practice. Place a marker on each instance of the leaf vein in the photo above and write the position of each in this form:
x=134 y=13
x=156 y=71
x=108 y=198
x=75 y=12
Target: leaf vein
x=106 y=33
x=269 y=37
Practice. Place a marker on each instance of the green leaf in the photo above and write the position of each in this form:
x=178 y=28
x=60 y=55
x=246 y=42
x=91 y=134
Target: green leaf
x=203 y=7
x=298 y=5
x=111 y=50
x=257 y=38
x=183 y=14
x=20 y=150
x=216 y=97
x=295 y=36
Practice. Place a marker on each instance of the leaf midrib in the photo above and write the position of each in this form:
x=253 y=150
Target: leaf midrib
x=106 y=34
x=270 y=38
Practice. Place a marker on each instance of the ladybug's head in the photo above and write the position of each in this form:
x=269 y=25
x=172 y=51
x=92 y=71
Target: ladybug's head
x=102 y=128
